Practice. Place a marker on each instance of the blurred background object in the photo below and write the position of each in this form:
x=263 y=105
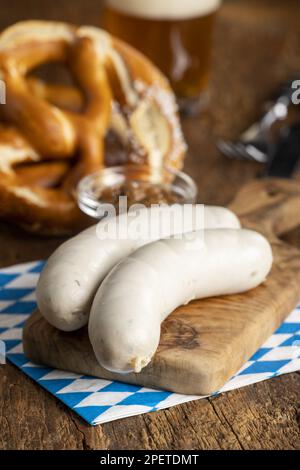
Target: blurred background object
x=176 y=35
x=258 y=141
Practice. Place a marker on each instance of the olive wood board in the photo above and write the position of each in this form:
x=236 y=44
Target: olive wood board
x=207 y=341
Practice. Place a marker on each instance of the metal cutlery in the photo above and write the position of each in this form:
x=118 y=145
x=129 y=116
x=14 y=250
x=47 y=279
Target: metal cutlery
x=255 y=142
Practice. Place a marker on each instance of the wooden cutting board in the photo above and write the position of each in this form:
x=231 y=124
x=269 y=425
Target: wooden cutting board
x=206 y=342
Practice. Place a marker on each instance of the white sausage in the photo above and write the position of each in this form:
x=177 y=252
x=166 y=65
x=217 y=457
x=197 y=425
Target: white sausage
x=73 y=273
x=143 y=289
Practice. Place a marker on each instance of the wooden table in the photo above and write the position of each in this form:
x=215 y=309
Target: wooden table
x=257 y=45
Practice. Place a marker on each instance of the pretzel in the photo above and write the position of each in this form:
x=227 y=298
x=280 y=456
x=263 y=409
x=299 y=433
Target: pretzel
x=66 y=97
x=53 y=135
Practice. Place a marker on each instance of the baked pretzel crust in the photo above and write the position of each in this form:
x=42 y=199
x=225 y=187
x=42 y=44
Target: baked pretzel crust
x=52 y=135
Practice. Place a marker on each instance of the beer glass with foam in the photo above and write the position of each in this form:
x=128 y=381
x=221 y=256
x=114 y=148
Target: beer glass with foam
x=175 y=34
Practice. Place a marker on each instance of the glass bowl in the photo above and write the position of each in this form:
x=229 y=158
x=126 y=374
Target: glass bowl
x=175 y=187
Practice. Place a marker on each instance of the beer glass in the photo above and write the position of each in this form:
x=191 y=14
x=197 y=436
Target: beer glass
x=175 y=34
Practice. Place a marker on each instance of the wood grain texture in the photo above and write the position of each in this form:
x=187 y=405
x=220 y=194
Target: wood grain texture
x=206 y=342
x=257 y=45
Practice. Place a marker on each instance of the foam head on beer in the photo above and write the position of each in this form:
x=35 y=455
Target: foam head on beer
x=165 y=9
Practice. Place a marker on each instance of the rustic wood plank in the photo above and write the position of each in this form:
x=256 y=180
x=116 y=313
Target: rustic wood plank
x=261 y=47
x=265 y=415
x=29 y=420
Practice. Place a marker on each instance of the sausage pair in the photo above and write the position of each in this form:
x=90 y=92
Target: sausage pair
x=146 y=279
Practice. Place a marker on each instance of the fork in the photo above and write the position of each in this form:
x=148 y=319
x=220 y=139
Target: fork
x=253 y=144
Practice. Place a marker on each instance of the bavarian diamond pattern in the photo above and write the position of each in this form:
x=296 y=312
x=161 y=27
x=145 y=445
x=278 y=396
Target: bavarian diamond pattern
x=99 y=401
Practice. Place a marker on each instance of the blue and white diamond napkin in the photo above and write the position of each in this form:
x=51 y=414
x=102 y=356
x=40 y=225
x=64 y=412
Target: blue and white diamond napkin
x=99 y=401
